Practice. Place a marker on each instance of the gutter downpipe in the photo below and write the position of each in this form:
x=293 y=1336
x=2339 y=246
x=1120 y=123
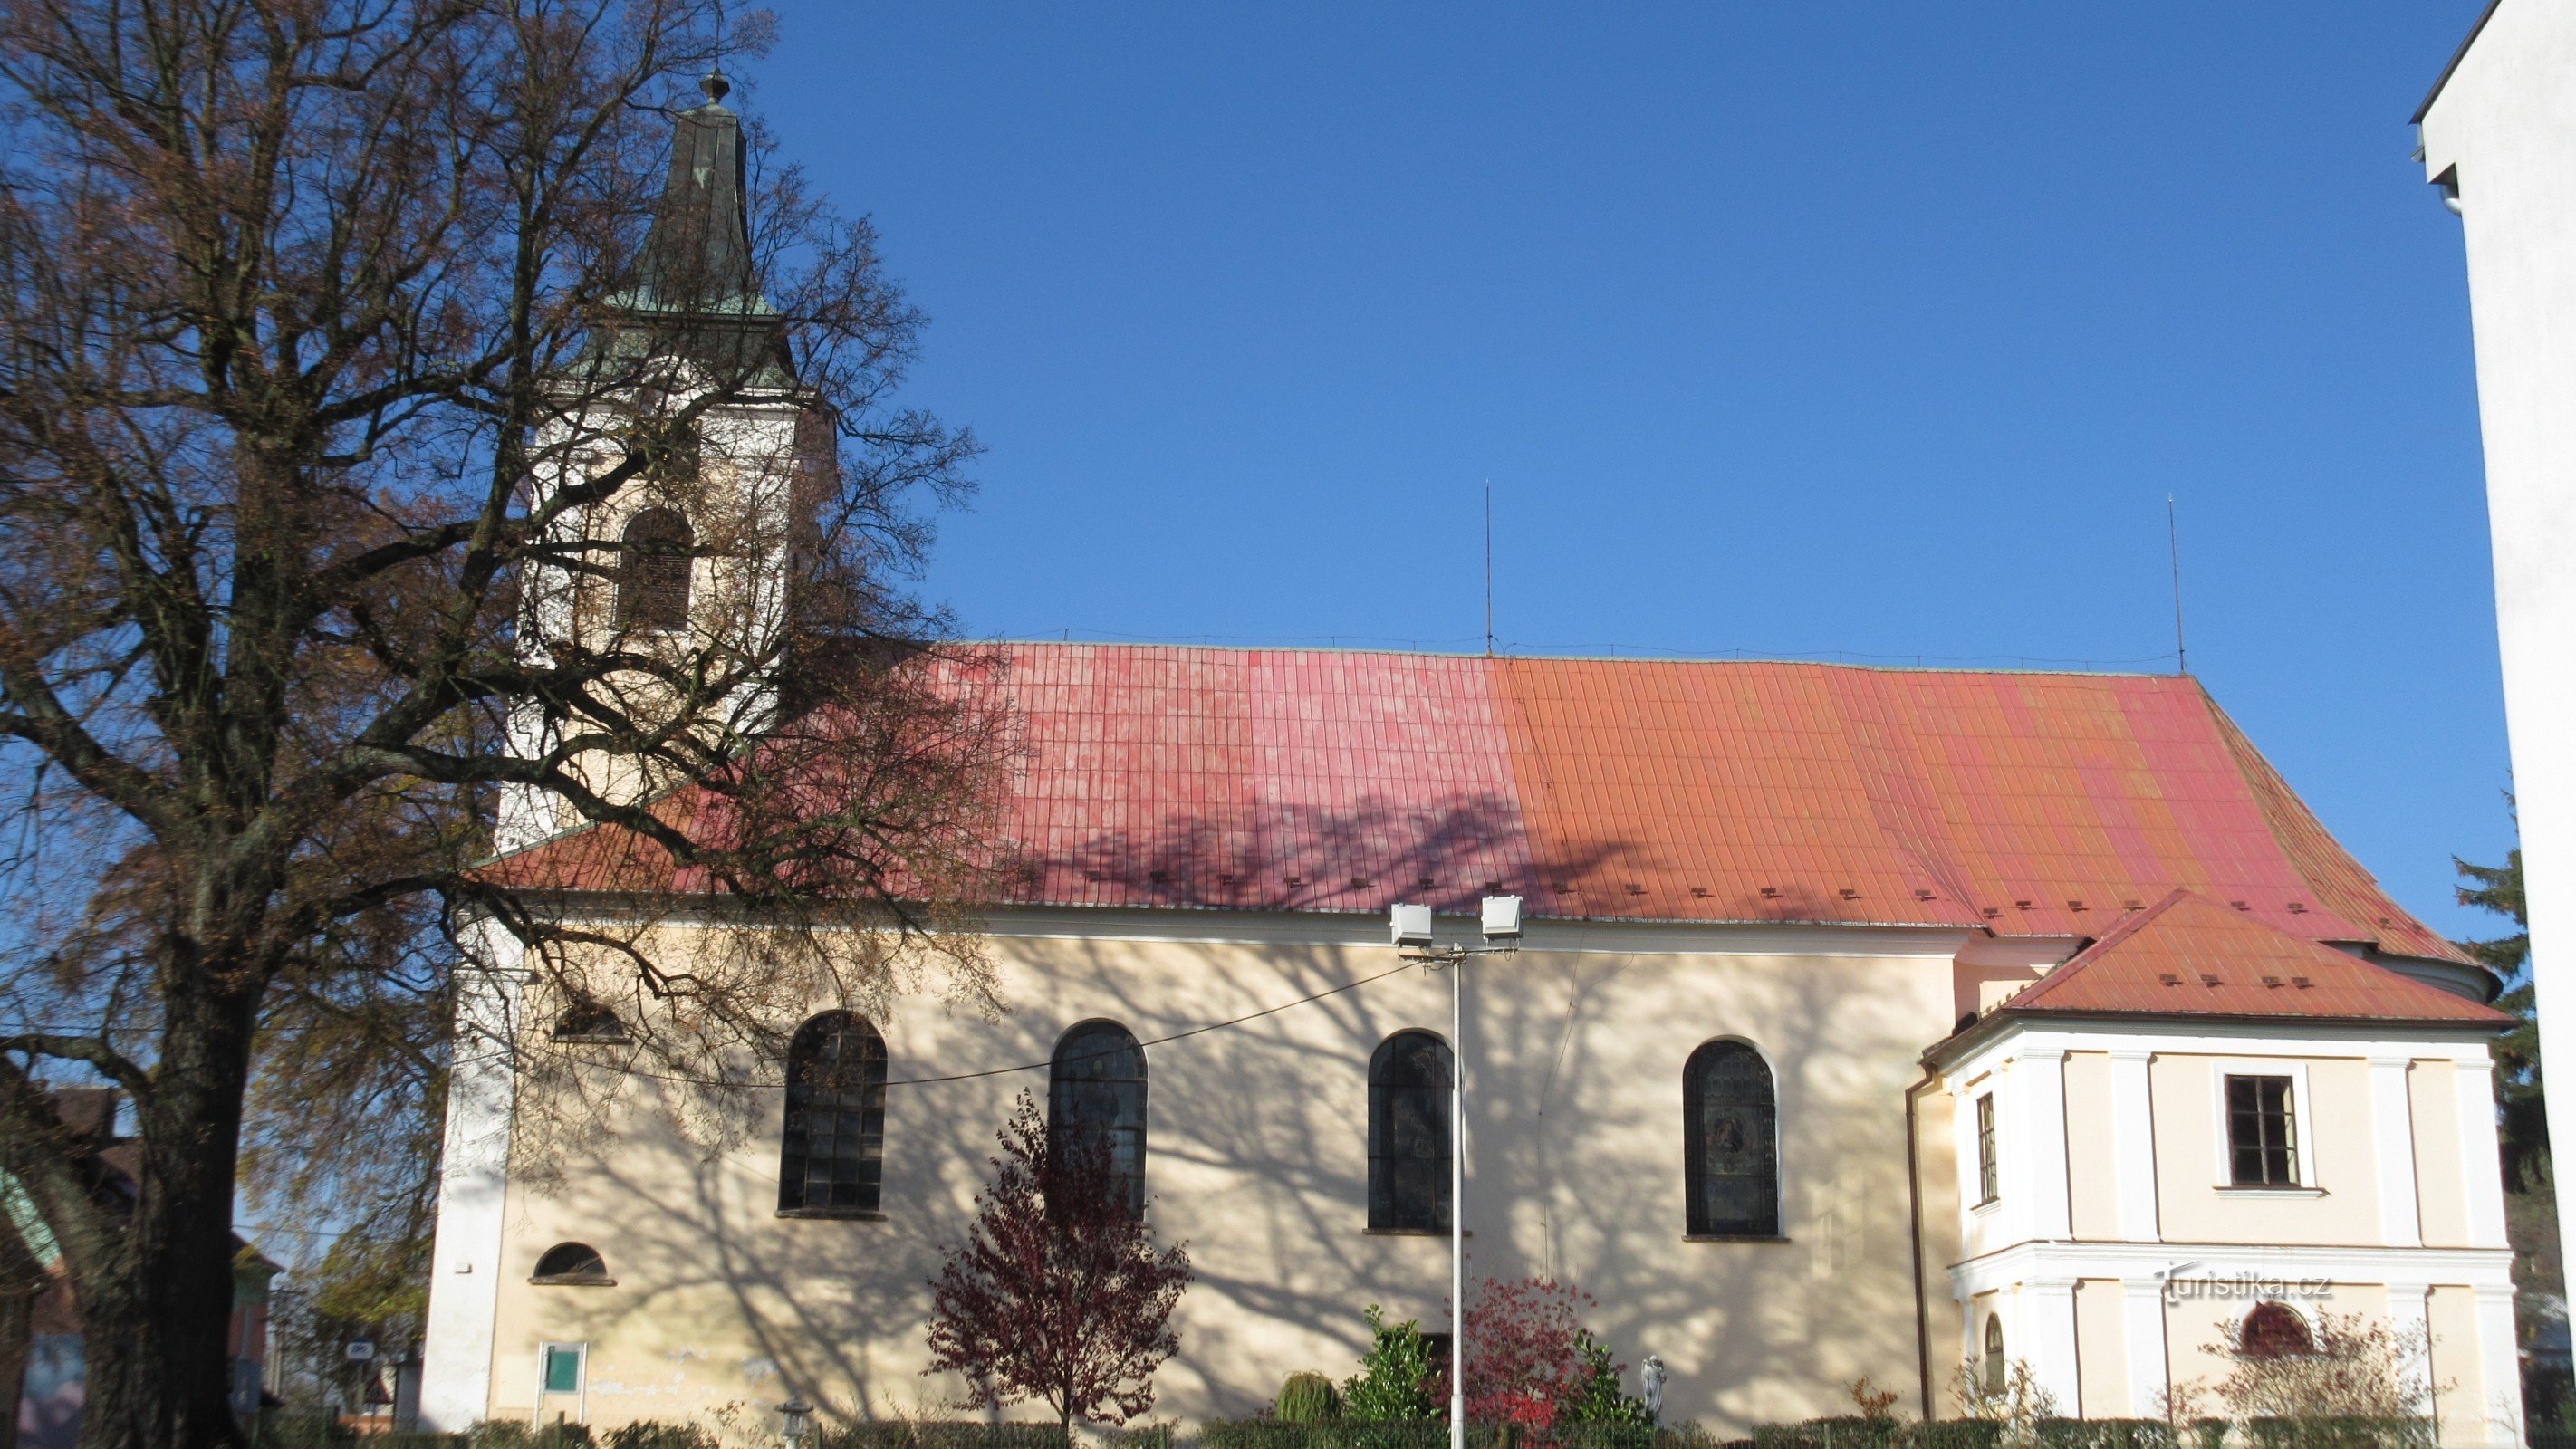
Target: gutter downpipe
x=1914 y=1240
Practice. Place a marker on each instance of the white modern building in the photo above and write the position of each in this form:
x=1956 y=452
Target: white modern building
x=2499 y=138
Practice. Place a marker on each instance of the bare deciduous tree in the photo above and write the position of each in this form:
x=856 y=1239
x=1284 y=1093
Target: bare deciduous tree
x=395 y=432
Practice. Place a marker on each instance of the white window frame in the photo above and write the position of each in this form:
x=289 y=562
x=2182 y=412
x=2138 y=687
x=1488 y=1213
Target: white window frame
x=2303 y=1127
x=580 y=1394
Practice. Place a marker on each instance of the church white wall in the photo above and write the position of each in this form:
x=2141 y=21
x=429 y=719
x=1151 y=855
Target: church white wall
x=1257 y=1159
x=2503 y=126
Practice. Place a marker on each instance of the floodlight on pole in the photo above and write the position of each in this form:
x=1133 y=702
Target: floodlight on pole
x=1411 y=927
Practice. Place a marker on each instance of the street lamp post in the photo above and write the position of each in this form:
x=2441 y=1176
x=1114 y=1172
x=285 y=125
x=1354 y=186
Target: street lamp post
x=1500 y=920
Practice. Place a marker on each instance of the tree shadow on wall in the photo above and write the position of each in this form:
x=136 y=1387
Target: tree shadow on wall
x=1258 y=1153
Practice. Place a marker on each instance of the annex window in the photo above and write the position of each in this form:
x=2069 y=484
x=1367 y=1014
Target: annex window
x=1408 y=1134
x=1731 y=1146
x=2262 y=1132
x=2274 y=1330
x=572 y=1263
x=1989 y=1175
x=653 y=573
x=1993 y=1367
x=559 y=1368
x=1096 y=1090
x=832 y=1155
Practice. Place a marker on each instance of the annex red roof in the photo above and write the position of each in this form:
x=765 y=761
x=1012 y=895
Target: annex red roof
x=2187 y=955
x=2024 y=803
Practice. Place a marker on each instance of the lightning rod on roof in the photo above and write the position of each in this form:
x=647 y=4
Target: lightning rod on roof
x=1489 y=568
x=2173 y=550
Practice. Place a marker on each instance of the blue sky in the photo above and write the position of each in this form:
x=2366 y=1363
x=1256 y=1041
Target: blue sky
x=1872 y=328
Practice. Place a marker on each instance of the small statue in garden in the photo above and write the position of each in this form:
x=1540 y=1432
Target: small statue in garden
x=1652 y=1374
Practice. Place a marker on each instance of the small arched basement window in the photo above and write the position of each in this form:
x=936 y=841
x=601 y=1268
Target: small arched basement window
x=1993 y=1367
x=1731 y=1146
x=2274 y=1330
x=572 y=1264
x=1096 y=1087
x=1408 y=1134
x=831 y=1157
x=589 y=1021
x=653 y=572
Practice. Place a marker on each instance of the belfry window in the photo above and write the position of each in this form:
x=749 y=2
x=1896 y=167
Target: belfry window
x=1408 y=1134
x=831 y=1158
x=653 y=571
x=1731 y=1146
x=1096 y=1094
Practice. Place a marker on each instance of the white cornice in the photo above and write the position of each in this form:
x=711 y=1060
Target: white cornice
x=1358 y=928
x=2203 y=1262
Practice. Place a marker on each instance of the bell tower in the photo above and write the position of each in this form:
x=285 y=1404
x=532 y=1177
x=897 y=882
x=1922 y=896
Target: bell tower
x=673 y=480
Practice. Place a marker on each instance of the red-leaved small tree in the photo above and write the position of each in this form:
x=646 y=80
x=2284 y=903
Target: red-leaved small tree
x=1057 y=1294
x=1526 y=1353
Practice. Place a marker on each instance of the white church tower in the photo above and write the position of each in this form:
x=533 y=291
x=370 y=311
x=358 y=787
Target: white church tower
x=689 y=388
x=685 y=561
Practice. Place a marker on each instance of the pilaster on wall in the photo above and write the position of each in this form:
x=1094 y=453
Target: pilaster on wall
x=2410 y=1316
x=2048 y=1340
x=2038 y=1077
x=2500 y=1363
x=2481 y=1163
x=2133 y=1149
x=465 y=1267
x=2144 y=1326
x=2392 y=1123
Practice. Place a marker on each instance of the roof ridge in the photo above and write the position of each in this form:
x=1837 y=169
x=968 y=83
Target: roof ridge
x=2010 y=671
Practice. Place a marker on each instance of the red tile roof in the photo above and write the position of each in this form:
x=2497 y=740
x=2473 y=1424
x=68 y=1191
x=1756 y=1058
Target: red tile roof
x=2187 y=955
x=2030 y=804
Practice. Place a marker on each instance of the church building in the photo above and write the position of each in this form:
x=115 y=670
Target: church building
x=1867 y=1022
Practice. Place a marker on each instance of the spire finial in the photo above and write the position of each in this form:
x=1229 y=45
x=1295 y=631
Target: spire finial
x=716 y=86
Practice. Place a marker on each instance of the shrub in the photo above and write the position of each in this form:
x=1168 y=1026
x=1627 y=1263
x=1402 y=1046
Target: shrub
x=655 y=1434
x=1394 y=1381
x=1959 y=1434
x=937 y=1434
x=1308 y=1398
x=2106 y=1434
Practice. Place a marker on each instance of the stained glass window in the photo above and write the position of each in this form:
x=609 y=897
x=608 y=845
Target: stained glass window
x=1731 y=1151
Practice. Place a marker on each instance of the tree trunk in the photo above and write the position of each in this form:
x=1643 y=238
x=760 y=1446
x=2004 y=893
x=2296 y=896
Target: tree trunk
x=156 y=1321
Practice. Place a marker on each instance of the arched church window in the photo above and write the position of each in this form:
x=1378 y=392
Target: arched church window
x=572 y=1263
x=831 y=1158
x=1408 y=1134
x=1993 y=1367
x=2274 y=1330
x=1096 y=1092
x=653 y=575
x=1730 y=1151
